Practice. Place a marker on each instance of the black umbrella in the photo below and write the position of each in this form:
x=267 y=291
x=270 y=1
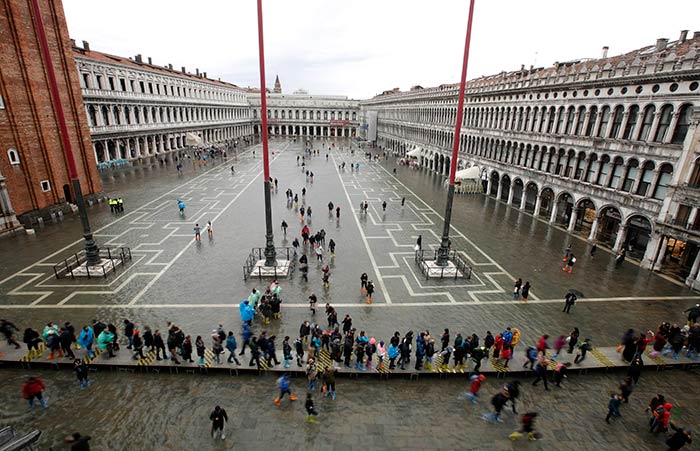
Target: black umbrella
x=576 y=293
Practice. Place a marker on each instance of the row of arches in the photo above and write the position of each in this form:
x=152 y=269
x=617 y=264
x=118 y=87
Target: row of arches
x=100 y=115
x=310 y=130
x=132 y=148
x=308 y=114
x=652 y=122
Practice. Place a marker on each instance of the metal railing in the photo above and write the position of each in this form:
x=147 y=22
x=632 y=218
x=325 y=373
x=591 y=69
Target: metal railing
x=258 y=253
x=460 y=264
x=109 y=256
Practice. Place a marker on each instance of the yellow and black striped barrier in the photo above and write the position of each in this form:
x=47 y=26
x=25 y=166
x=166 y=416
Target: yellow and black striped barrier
x=602 y=358
x=88 y=360
x=148 y=359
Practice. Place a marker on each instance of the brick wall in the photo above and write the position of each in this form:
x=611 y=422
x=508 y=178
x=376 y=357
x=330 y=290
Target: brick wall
x=28 y=122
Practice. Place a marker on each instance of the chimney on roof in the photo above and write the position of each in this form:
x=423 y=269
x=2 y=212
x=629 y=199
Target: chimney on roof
x=684 y=36
x=196 y=71
x=72 y=42
x=532 y=66
x=170 y=66
x=205 y=75
x=138 y=58
x=183 y=70
x=522 y=67
x=661 y=44
x=150 y=61
x=86 y=45
x=696 y=35
x=605 y=52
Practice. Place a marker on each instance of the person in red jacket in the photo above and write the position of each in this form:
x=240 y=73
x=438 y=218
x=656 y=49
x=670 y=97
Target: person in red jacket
x=542 y=345
x=33 y=388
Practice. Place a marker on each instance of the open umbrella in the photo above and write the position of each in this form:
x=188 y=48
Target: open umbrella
x=575 y=292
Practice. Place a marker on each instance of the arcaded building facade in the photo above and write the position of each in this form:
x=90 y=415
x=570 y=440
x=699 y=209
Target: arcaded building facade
x=606 y=148
x=307 y=115
x=140 y=112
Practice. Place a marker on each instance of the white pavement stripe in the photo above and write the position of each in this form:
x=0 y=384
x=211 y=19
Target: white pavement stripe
x=349 y=305
x=189 y=243
x=362 y=234
x=131 y=213
x=452 y=226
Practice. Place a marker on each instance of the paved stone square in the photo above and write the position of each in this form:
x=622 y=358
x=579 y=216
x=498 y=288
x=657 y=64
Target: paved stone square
x=199 y=285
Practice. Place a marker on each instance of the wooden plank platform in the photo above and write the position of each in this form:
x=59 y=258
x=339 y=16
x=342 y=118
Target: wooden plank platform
x=602 y=359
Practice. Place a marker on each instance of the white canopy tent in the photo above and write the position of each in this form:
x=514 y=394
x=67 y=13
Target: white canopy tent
x=193 y=140
x=468 y=180
x=415 y=153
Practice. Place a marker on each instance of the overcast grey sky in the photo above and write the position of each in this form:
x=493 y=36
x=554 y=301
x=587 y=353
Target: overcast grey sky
x=362 y=47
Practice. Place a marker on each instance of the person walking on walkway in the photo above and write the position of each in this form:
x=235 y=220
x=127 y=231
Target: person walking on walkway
x=86 y=340
x=187 y=349
x=137 y=343
x=679 y=438
x=284 y=227
x=363 y=283
x=560 y=372
x=218 y=419
x=384 y=206
x=201 y=350
x=583 y=348
x=573 y=339
x=312 y=303
x=33 y=388
x=311 y=412
x=337 y=213
x=231 y=346
x=475 y=385
x=516 y=288
x=329 y=381
x=525 y=292
x=159 y=345
x=528 y=427
x=569 y=301
x=541 y=372
x=7 y=328
x=613 y=407
x=81 y=372
x=197 y=232
x=370 y=291
x=569 y=267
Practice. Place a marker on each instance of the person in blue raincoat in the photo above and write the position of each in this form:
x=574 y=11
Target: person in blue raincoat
x=246 y=311
x=181 y=206
x=86 y=339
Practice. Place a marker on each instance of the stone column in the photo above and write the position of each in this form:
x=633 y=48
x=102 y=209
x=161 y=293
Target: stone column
x=572 y=220
x=538 y=205
x=621 y=237
x=623 y=125
x=499 y=190
x=654 y=125
x=510 y=193
x=555 y=208
x=489 y=184
x=671 y=128
x=662 y=254
x=694 y=271
x=586 y=121
x=523 y=198
x=128 y=149
x=650 y=252
x=594 y=229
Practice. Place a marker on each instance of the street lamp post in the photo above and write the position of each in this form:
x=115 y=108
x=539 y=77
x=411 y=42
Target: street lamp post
x=444 y=250
x=91 y=251
x=270 y=252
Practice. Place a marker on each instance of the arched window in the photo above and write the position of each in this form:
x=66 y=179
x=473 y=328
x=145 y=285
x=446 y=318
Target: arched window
x=694 y=180
x=570 y=120
x=92 y=115
x=115 y=111
x=618 y=114
x=664 y=123
x=325 y=115
x=617 y=169
x=550 y=123
x=604 y=119
x=580 y=166
x=560 y=121
x=284 y=114
x=13 y=156
x=303 y=114
x=354 y=116
x=277 y=114
x=647 y=122
x=520 y=119
x=592 y=169
x=127 y=115
x=604 y=171
x=105 y=115
x=647 y=178
x=580 y=121
x=632 y=116
x=682 y=125
x=631 y=175
x=665 y=174
x=592 y=117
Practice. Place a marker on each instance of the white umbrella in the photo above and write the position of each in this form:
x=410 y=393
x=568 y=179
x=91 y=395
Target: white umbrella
x=414 y=153
x=472 y=173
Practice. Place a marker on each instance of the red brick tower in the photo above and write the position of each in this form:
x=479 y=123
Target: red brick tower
x=31 y=154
